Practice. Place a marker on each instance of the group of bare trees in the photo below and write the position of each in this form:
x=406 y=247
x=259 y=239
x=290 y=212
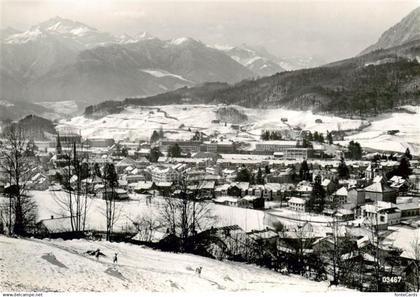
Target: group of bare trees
x=19 y=212
x=75 y=201
x=182 y=216
x=185 y=215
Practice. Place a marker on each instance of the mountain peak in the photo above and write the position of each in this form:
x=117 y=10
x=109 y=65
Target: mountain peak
x=184 y=41
x=144 y=35
x=223 y=47
x=63 y=26
x=408 y=29
x=125 y=38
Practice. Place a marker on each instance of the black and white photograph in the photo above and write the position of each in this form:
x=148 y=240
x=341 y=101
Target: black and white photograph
x=209 y=147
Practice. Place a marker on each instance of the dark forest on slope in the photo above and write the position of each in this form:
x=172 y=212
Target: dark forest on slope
x=363 y=85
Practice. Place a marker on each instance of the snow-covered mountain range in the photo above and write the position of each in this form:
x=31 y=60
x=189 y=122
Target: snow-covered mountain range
x=260 y=63
x=61 y=59
x=263 y=63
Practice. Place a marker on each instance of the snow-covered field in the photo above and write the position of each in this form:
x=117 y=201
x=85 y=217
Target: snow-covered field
x=375 y=136
x=57 y=265
x=404 y=238
x=181 y=121
x=139 y=122
x=137 y=208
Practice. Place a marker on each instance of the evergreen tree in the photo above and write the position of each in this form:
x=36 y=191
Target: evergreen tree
x=174 y=151
x=155 y=137
x=97 y=170
x=243 y=175
x=408 y=154
x=404 y=169
x=343 y=170
x=267 y=169
x=260 y=179
x=316 y=136
x=84 y=170
x=310 y=136
x=306 y=143
x=124 y=152
x=111 y=181
x=154 y=154
x=355 y=150
x=304 y=171
x=252 y=179
x=321 y=138
x=265 y=135
x=197 y=136
x=317 y=199
x=110 y=175
x=329 y=138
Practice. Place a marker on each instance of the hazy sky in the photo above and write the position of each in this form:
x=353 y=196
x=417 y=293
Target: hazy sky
x=329 y=29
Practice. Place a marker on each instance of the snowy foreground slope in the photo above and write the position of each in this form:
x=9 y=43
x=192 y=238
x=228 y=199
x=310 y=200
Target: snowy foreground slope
x=57 y=265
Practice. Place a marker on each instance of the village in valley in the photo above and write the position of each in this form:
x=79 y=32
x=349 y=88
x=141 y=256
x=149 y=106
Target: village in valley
x=293 y=201
x=209 y=146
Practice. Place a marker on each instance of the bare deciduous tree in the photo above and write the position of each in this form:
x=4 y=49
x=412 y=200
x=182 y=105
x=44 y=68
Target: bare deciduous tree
x=185 y=216
x=415 y=254
x=147 y=226
x=373 y=226
x=74 y=201
x=21 y=210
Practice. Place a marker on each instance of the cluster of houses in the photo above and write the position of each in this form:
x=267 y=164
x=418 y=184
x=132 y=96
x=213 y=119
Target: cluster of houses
x=211 y=169
x=208 y=170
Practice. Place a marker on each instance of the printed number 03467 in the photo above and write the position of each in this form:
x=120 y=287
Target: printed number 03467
x=391 y=279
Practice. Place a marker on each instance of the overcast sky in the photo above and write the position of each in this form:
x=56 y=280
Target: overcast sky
x=329 y=29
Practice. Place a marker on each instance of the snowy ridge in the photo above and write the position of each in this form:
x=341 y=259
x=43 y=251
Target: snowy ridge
x=127 y=39
x=80 y=34
x=221 y=47
x=181 y=40
x=162 y=73
x=25 y=37
x=258 y=63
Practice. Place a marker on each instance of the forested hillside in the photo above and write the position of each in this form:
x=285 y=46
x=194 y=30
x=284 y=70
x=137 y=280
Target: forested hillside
x=363 y=85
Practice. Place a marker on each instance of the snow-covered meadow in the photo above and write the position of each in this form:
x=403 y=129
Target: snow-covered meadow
x=181 y=121
x=49 y=205
x=375 y=136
